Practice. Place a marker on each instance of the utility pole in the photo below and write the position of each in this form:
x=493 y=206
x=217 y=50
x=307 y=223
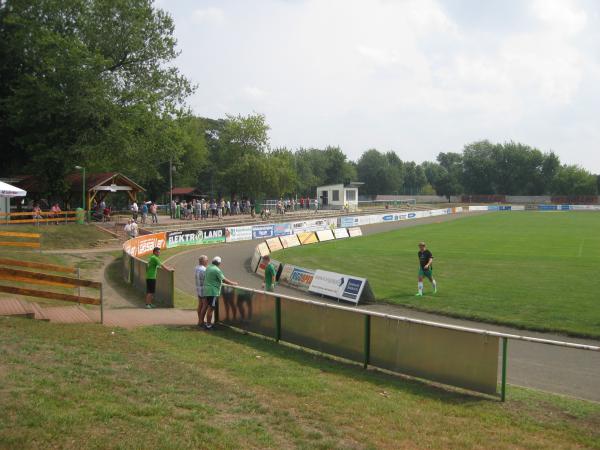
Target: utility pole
x=171 y=186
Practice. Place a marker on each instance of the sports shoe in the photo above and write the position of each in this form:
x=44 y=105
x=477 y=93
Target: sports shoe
x=148 y=306
x=418 y=294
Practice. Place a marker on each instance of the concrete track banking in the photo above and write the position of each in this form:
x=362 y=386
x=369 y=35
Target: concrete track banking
x=545 y=367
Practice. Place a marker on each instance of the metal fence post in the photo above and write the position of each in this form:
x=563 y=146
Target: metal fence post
x=277 y=319
x=172 y=288
x=101 y=306
x=79 y=278
x=504 y=362
x=367 y=347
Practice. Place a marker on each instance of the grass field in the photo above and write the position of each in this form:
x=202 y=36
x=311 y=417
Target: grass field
x=79 y=386
x=526 y=269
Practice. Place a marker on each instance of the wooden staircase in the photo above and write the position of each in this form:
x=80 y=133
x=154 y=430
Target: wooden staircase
x=57 y=314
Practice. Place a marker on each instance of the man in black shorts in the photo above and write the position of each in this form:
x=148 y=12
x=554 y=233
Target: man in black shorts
x=425 y=268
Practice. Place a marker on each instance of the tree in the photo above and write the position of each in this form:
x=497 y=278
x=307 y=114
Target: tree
x=87 y=82
x=574 y=180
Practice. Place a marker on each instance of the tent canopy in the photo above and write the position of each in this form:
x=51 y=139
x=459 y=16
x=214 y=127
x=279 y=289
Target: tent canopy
x=8 y=190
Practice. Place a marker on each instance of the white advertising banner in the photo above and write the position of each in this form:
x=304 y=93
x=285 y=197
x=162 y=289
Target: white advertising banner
x=233 y=234
x=274 y=244
x=517 y=208
x=337 y=285
x=478 y=208
x=295 y=276
x=354 y=232
x=310 y=225
x=255 y=259
x=340 y=233
x=325 y=235
x=289 y=241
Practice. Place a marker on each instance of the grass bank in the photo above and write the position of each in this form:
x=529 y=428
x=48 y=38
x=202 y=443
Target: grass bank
x=79 y=386
x=56 y=237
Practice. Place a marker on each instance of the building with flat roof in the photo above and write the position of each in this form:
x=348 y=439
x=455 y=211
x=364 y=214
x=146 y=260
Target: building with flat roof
x=336 y=196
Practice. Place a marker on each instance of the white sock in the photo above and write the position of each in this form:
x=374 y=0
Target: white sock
x=434 y=285
x=420 y=287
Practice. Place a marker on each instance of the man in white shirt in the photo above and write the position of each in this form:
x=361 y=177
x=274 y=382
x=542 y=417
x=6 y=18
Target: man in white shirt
x=134 y=210
x=199 y=276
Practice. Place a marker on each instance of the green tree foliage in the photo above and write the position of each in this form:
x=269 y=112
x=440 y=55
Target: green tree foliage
x=88 y=82
x=574 y=180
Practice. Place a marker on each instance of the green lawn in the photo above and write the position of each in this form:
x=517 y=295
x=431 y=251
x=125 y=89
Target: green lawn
x=79 y=386
x=527 y=269
x=59 y=236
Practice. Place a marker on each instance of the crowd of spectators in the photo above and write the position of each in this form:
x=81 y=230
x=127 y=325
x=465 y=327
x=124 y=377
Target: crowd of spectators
x=202 y=209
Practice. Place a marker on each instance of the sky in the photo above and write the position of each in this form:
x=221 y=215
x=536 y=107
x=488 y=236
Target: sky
x=417 y=77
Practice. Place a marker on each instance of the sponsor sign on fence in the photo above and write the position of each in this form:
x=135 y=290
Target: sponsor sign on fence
x=274 y=244
x=289 y=241
x=297 y=276
x=346 y=222
x=282 y=229
x=195 y=237
x=255 y=260
x=337 y=285
x=143 y=245
x=310 y=225
x=325 y=235
x=307 y=238
x=340 y=233
x=262 y=231
x=354 y=232
x=263 y=249
x=233 y=234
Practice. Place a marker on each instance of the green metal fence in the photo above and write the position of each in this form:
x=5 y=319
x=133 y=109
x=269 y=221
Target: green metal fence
x=134 y=272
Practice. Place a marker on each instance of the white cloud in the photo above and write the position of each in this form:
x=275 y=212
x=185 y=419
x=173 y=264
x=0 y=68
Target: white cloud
x=415 y=76
x=210 y=15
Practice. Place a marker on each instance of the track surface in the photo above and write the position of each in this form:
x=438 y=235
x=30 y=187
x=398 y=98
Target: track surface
x=545 y=367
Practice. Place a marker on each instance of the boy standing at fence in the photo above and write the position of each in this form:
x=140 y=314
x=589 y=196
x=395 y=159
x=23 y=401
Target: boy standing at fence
x=154 y=263
x=213 y=280
x=425 y=268
x=270 y=273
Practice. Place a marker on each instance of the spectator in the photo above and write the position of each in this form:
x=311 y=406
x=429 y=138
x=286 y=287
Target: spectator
x=131 y=229
x=200 y=272
x=55 y=212
x=213 y=280
x=134 y=211
x=316 y=205
x=154 y=263
x=153 y=213
x=144 y=212
x=213 y=208
x=172 y=207
x=270 y=273
x=106 y=214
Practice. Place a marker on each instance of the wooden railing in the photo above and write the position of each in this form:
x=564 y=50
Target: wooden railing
x=11 y=274
x=38 y=218
x=34 y=242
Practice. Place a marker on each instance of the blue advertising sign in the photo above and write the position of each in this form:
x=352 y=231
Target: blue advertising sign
x=412 y=215
x=493 y=208
x=505 y=208
x=388 y=218
x=282 y=229
x=352 y=289
x=262 y=231
x=547 y=207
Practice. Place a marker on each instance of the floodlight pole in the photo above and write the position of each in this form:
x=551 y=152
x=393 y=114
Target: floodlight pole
x=171 y=186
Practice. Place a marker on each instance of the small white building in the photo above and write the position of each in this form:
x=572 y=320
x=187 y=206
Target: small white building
x=336 y=196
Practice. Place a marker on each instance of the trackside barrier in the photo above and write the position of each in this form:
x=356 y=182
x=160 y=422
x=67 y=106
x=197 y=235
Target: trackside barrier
x=449 y=354
x=13 y=275
x=38 y=218
x=33 y=242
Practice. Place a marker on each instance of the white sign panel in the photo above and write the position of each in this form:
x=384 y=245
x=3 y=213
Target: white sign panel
x=325 y=235
x=478 y=208
x=354 y=232
x=337 y=285
x=340 y=233
x=233 y=234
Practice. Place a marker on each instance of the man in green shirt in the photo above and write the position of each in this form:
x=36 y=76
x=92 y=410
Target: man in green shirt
x=213 y=280
x=154 y=263
x=270 y=273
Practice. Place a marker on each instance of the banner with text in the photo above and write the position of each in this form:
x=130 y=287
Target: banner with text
x=195 y=237
x=233 y=234
x=337 y=285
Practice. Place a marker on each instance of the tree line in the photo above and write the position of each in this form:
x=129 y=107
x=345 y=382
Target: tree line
x=92 y=83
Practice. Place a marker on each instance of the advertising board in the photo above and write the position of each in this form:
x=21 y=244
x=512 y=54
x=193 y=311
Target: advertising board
x=332 y=222
x=517 y=208
x=262 y=231
x=478 y=208
x=547 y=207
x=274 y=244
x=307 y=238
x=233 y=234
x=143 y=245
x=282 y=229
x=346 y=222
x=337 y=285
x=195 y=237
x=310 y=225
x=354 y=232
x=325 y=235
x=297 y=276
x=289 y=241
x=255 y=260
x=263 y=249
x=340 y=233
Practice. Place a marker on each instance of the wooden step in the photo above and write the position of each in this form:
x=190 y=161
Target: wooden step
x=16 y=308
x=39 y=312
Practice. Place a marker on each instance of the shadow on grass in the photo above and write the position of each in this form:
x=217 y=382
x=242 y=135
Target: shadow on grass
x=354 y=371
x=113 y=274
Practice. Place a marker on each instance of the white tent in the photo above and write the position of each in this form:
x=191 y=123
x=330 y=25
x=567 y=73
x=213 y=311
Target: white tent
x=7 y=190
